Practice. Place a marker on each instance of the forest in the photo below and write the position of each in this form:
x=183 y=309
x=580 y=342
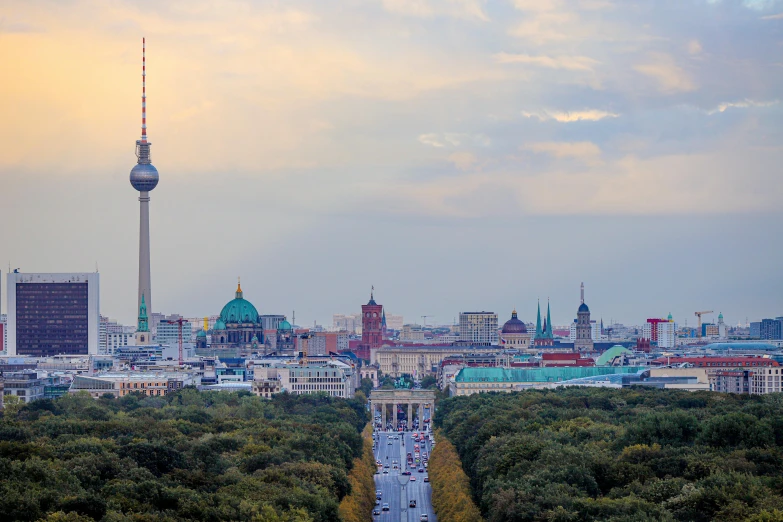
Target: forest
x=632 y=454
x=190 y=455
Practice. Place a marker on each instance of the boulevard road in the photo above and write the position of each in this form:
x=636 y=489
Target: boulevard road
x=397 y=496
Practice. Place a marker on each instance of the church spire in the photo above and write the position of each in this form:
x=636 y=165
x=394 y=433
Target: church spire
x=143 y=323
x=538 y=322
x=549 y=334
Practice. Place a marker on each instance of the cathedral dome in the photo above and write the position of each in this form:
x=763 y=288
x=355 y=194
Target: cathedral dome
x=514 y=325
x=219 y=325
x=239 y=310
x=583 y=308
x=201 y=333
x=284 y=325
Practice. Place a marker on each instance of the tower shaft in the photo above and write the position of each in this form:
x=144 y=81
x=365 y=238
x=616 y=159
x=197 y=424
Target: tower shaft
x=145 y=285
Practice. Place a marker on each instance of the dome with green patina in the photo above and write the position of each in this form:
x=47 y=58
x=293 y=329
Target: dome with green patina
x=239 y=310
x=219 y=325
x=284 y=325
x=201 y=333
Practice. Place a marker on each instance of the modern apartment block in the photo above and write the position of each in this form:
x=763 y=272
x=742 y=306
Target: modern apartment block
x=53 y=314
x=478 y=327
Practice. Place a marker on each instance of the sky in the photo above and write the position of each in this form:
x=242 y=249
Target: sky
x=458 y=155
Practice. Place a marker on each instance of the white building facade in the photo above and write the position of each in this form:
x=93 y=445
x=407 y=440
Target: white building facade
x=478 y=327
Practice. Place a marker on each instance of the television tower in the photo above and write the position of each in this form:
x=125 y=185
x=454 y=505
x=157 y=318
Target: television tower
x=144 y=178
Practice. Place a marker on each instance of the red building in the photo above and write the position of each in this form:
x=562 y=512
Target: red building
x=372 y=328
x=565 y=359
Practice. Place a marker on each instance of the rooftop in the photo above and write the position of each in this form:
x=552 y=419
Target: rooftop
x=546 y=374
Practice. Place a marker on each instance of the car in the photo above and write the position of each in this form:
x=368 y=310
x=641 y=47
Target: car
x=426 y=479
x=385 y=507
x=389 y=443
x=386 y=471
x=377 y=471
x=376 y=511
x=413 y=479
x=412 y=503
x=406 y=472
x=378 y=494
x=424 y=518
x=421 y=470
x=377 y=501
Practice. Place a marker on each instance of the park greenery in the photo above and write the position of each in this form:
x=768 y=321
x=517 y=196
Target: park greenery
x=620 y=455
x=450 y=485
x=190 y=455
x=356 y=506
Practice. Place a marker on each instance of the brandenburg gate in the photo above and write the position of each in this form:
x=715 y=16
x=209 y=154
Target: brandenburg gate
x=395 y=398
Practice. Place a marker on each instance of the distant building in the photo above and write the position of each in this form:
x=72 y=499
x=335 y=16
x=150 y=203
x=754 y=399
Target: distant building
x=514 y=334
x=324 y=343
x=53 y=314
x=584 y=336
x=394 y=322
x=122 y=383
x=544 y=336
x=411 y=333
x=24 y=384
x=350 y=322
x=662 y=332
x=722 y=329
x=755 y=330
x=765 y=380
x=332 y=378
x=771 y=329
x=239 y=325
x=168 y=333
x=478 y=328
x=372 y=328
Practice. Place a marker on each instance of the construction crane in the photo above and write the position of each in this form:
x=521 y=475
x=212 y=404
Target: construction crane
x=699 y=314
x=180 y=322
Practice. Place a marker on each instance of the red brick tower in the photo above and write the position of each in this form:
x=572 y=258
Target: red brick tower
x=372 y=327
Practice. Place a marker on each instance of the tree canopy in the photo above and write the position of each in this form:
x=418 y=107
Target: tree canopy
x=190 y=455
x=621 y=455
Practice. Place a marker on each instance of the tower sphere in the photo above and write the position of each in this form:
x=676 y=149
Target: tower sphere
x=144 y=177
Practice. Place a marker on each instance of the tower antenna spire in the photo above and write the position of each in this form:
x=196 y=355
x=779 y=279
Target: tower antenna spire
x=144 y=90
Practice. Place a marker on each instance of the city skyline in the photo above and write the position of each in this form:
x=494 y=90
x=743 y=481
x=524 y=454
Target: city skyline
x=484 y=155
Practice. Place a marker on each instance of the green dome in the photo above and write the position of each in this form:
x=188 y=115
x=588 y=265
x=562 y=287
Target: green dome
x=201 y=333
x=239 y=310
x=219 y=325
x=615 y=351
x=284 y=325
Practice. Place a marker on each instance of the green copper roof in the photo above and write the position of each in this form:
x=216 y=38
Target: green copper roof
x=611 y=353
x=238 y=310
x=284 y=325
x=219 y=325
x=546 y=374
x=142 y=324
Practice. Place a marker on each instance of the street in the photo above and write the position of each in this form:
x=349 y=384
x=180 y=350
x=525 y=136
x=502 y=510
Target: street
x=398 y=497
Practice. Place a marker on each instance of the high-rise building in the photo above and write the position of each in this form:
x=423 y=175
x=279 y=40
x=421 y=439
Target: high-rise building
x=144 y=178
x=53 y=314
x=662 y=332
x=478 y=327
x=755 y=330
x=584 y=336
x=771 y=329
x=168 y=333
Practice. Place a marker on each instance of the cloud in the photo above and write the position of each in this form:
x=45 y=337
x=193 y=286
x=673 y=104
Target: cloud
x=573 y=63
x=694 y=47
x=570 y=116
x=746 y=103
x=453 y=139
x=462 y=160
x=778 y=16
x=585 y=151
x=465 y=9
x=670 y=77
